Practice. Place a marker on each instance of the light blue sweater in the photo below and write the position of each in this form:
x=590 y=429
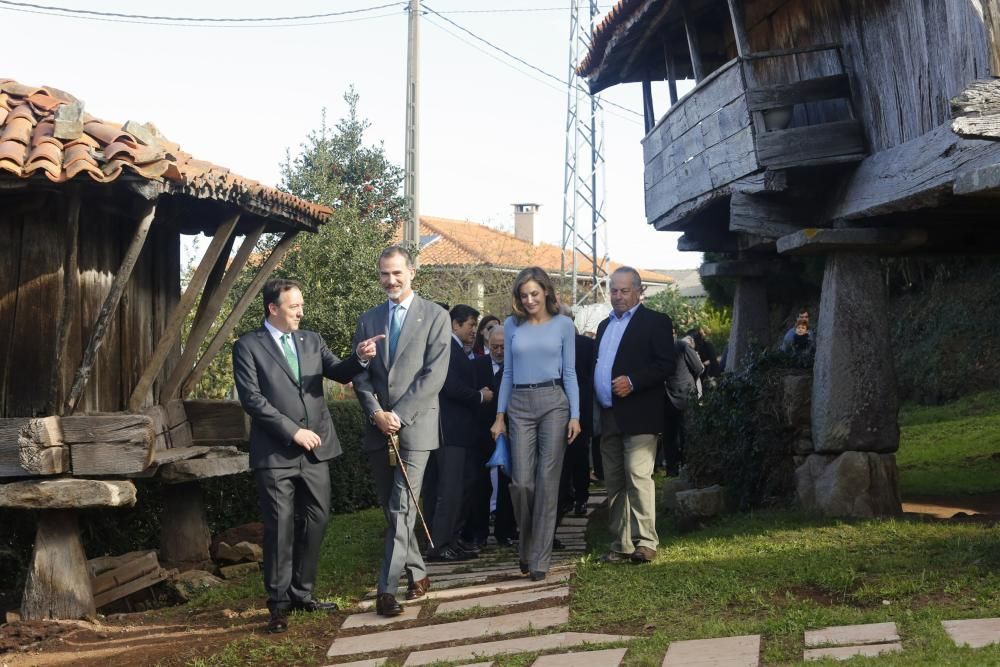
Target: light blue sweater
x=540 y=352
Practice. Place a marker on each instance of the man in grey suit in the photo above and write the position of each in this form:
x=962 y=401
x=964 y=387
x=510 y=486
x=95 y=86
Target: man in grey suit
x=399 y=393
x=279 y=371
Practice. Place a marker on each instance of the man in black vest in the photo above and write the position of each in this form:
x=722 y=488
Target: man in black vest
x=635 y=356
x=279 y=371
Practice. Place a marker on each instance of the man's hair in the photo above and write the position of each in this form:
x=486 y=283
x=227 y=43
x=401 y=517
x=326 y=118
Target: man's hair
x=695 y=335
x=537 y=274
x=273 y=289
x=461 y=313
x=497 y=330
x=636 y=279
x=394 y=250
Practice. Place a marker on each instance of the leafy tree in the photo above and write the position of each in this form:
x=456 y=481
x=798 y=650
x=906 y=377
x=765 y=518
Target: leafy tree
x=337 y=265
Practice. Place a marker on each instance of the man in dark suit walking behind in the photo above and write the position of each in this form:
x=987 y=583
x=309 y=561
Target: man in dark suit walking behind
x=399 y=394
x=635 y=355
x=279 y=371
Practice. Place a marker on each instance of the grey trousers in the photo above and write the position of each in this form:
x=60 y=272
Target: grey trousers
x=537 y=420
x=294 y=505
x=402 y=552
x=628 y=475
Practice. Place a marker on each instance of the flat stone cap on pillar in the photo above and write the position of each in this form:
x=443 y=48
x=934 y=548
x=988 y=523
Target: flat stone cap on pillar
x=53 y=494
x=217 y=462
x=859 y=240
x=739 y=268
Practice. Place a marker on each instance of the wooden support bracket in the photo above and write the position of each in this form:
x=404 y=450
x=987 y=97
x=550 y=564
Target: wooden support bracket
x=877 y=241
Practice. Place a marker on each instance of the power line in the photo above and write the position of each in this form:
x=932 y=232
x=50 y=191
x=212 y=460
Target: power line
x=145 y=17
x=519 y=59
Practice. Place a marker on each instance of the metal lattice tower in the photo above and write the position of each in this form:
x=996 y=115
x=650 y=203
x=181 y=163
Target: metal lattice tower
x=585 y=234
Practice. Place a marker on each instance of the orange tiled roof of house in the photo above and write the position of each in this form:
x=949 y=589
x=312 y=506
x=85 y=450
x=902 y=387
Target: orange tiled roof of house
x=44 y=131
x=446 y=242
x=603 y=33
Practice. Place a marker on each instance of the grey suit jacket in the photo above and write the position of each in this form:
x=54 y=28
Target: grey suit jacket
x=409 y=385
x=278 y=405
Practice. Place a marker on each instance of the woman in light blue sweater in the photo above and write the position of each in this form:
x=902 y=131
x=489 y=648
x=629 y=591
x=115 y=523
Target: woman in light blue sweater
x=540 y=399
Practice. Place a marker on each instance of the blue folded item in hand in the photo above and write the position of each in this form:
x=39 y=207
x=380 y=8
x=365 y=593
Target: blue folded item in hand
x=501 y=455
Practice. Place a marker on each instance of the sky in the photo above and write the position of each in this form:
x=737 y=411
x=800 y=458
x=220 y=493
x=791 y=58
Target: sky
x=492 y=131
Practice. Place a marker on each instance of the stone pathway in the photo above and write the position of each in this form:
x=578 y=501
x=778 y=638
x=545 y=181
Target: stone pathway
x=974 y=632
x=846 y=641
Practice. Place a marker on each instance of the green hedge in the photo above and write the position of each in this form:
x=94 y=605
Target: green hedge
x=229 y=501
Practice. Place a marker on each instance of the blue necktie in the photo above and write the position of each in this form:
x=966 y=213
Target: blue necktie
x=395 y=324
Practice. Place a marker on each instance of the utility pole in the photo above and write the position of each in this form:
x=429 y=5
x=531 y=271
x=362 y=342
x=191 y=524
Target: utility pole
x=411 y=183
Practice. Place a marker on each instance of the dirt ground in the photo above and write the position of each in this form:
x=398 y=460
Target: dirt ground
x=174 y=636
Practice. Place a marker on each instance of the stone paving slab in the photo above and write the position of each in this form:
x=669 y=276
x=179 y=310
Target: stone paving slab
x=848 y=652
x=743 y=651
x=388 y=640
x=559 y=640
x=574 y=521
x=481 y=589
x=850 y=635
x=610 y=657
x=452 y=583
x=503 y=599
x=374 y=662
x=973 y=632
x=370 y=618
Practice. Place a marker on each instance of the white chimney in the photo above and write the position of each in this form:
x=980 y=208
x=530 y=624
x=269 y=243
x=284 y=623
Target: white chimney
x=524 y=221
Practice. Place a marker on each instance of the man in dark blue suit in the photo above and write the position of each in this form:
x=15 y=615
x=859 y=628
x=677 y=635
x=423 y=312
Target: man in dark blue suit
x=456 y=459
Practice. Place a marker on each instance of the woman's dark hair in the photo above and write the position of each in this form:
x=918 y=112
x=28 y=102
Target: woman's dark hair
x=480 y=345
x=273 y=289
x=537 y=274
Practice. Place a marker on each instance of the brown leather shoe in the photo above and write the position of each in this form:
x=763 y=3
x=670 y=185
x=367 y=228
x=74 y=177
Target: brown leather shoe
x=418 y=588
x=643 y=555
x=386 y=605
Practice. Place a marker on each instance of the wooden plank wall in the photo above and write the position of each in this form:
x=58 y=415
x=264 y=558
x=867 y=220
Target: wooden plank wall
x=907 y=57
x=704 y=143
x=32 y=247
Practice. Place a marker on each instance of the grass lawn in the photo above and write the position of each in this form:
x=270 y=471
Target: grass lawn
x=776 y=573
x=951 y=449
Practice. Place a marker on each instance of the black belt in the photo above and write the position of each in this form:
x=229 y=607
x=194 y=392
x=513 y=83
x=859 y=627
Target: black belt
x=539 y=385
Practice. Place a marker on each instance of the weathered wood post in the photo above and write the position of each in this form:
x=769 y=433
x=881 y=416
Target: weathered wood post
x=750 y=309
x=58 y=583
x=852 y=468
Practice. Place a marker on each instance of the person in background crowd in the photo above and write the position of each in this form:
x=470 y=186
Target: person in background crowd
x=681 y=388
x=574 y=487
x=788 y=340
x=635 y=356
x=456 y=462
x=801 y=339
x=399 y=393
x=706 y=352
x=481 y=347
x=540 y=397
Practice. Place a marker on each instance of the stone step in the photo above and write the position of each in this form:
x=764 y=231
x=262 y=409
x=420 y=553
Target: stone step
x=389 y=640
x=851 y=635
x=575 y=521
x=848 y=652
x=371 y=619
x=560 y=640
x=480 y=589
x=743 y=651
x=973 y=632
x=610 y=657
x=502 y=599
x=374 y=662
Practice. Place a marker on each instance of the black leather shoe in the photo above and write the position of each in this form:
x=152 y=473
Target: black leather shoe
x=418 y=588
x=557 y=543
x=580 y=509
x=467 y=546
x=524 y=567
x=450 y=554
x=507 y=542
x=278 y=622
x=315 y=605
x=386 y=605
x=538 y=575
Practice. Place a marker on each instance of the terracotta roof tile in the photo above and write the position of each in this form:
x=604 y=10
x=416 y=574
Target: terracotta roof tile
x=603 y=32
x=463 y=243
x=105 y=150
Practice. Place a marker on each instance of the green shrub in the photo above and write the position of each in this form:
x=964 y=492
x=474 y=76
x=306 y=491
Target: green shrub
x=737 y=435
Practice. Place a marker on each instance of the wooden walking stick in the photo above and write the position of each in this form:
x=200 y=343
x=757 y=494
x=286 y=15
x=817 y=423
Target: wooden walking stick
x=394 y=452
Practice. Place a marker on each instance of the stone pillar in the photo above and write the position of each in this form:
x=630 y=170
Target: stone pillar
x=750 y=321
x=852 y=470
x=58 y=583
x=184 y=532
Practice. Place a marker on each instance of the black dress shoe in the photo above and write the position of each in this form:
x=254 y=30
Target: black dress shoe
x=315 y=605
x=524 y=567
x=580 y=509
x=557 y=543
x=538 y=575
x=418 y=588
x=386 y=605
x=278 y=622
x=467 y=546
x=507 y=542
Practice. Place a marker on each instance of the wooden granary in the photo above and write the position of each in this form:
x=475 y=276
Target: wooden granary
x=849 y=129
x=94 y=366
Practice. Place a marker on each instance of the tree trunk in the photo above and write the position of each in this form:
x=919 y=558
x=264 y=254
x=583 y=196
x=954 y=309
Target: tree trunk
x=58 y=584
